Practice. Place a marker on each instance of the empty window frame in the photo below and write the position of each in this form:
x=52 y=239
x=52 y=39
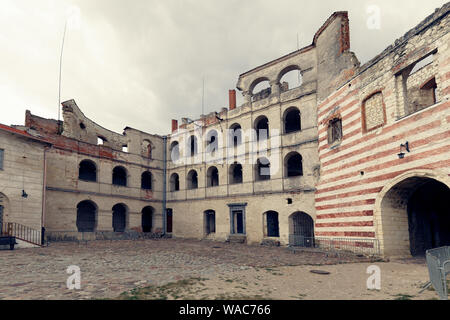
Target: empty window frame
x=146 y=180
x=174 y=182
x=119 y=176
x=87 y=171
x=334 y=130
x=236 y=176
x=292 y=120
x=294 y=165
x=213 y=177
x=192 y=180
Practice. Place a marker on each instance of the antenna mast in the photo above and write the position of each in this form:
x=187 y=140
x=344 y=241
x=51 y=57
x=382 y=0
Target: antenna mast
x=60 y=75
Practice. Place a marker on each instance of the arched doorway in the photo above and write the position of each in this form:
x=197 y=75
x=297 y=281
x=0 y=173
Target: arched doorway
x=413 y=215
x=301 y=230
x=271 y=224
x=210 y=222
x=86 y=216
x=147 y=219
x=119 y=218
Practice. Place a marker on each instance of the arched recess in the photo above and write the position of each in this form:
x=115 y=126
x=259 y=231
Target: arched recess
x=120 y=217
x=175 y=151
x=235 y=135
x=146 y=180
x=87 y=171
x=120 y=176
x=147 y=219
x=174 y=182
x=209 y=220
x=236 y=173
x=262 y=128
x=301 y=229
x=262 y=169
x=293 y=164
x=271 y=224
x=212 y=176
x=212 y=142
x=192 y=180
x=411 y=213
x=292 y=120
x=86 y=216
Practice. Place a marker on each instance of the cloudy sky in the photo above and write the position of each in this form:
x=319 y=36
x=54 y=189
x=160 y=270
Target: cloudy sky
x=140 y=63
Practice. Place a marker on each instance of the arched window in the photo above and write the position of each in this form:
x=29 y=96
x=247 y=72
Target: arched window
x=147 y=149
x=262 y=169
x=174 y=182
x=293 y=165
x=147 y=219
x=87 y=171
x=192 y=180
x=292 y=120
x=192 y=146
x=236 y=176
x=272 y=224
x=334 y=130
x=210 y=221
x=175 y=151
x=86 y=216
x=119 y=176
x=213 y=177
x=119 y=221
x=260 y=89
x=262 y=128
x=290 y=78
x=146 y=180
x=235 y=135
x=212 y=142
x=101 y=140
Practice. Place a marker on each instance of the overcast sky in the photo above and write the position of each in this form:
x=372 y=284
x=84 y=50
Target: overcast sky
x=140 y=63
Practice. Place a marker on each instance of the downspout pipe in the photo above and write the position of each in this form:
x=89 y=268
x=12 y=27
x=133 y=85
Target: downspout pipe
x=164 y=193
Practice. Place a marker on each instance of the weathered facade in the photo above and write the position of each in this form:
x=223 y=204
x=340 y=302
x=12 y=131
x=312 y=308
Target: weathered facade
x=247 y=205
x=384 y=146
x=354 y=154
x=99 y=182
x=22 y=166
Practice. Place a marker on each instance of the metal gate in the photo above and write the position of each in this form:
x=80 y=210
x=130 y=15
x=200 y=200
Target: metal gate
x=302 y=230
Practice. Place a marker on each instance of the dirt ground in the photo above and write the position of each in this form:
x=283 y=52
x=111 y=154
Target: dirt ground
x=190 y=269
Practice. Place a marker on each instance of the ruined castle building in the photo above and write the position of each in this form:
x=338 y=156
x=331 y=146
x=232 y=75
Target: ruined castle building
x=99 y=182
x=222 y=192
x=346 y=155
x=384 y=146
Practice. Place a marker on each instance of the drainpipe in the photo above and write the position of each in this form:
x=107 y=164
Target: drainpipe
x=164 y=186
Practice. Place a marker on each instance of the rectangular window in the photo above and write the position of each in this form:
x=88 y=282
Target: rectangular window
x=1 y=158
x=334 y=131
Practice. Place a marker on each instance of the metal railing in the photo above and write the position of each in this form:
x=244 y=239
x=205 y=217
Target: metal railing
x=359 y=246
x=21 y=232
x=438 y=262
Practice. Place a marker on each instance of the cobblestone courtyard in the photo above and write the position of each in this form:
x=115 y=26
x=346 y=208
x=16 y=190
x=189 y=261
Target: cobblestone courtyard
x=220 y=270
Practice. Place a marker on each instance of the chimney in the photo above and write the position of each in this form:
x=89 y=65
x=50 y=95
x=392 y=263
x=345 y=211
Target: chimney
x=174 y=125
x=232 y=98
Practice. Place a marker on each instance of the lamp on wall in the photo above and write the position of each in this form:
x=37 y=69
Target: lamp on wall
x=24 y=194
x=405 y=146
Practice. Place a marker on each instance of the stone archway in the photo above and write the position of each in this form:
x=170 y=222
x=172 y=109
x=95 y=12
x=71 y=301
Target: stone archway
x=411 y=213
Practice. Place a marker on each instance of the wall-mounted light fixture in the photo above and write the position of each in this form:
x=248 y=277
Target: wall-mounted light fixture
x=24 y=194
x=405 y=146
